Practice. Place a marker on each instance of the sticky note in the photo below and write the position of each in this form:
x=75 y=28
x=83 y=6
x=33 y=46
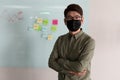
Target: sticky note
x=39 y=20
x=37 y=27
x=44 y=28
x=20 y=15
x=45 y=22
x=50 y=37
x=54 y=22
x=53 y=28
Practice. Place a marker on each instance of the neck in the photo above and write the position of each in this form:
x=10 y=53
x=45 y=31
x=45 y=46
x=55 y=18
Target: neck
x=75 y=32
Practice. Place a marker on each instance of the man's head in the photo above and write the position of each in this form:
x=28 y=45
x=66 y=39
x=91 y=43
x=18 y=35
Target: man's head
x=73 y=17
x=73 y=7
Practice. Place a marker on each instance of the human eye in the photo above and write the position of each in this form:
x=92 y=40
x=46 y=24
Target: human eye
x=77 y=17
x=69 y=17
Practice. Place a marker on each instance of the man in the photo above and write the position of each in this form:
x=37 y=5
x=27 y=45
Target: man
x=72 y=52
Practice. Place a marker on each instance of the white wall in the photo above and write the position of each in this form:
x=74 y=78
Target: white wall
x=104 y=26
x=27 y=74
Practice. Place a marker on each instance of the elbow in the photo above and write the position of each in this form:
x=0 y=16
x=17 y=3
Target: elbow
x=49 y=63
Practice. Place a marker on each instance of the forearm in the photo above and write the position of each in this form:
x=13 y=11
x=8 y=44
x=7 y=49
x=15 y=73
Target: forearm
x=73 y=71
x=54 y=65
x=74 y=66
x=57 y=67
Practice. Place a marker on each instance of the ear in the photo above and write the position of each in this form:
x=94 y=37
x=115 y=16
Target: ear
x=65 y=21
x=82 y=20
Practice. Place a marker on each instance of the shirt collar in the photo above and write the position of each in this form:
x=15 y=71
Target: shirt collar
x=76 y=36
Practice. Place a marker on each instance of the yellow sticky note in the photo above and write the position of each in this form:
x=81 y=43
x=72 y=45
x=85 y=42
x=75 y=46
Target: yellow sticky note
x=50 y=37
x=37 y=27
x=39 y=20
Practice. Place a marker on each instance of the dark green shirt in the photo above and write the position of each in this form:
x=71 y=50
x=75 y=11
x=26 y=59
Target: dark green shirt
x=72 y=53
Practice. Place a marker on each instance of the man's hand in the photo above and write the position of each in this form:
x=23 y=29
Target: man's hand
x=78 y=73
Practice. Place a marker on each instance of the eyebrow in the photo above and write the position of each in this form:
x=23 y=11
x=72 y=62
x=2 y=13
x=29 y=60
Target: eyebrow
x=74 y=16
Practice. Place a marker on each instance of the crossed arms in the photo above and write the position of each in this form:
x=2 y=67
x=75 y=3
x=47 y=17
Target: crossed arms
x=66 y=66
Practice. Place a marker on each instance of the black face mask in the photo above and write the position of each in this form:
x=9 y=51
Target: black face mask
x=73 y=25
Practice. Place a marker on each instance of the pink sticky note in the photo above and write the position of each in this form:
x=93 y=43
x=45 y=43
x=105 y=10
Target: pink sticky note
x=54 y=22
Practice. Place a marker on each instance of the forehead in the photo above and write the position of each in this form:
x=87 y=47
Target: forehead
x=73 y=13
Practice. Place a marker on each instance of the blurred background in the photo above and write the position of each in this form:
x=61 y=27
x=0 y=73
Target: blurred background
x=104 y=26
x=28 y=30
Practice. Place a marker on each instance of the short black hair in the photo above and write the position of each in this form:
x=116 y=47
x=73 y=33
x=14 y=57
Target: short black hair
x=73 y=7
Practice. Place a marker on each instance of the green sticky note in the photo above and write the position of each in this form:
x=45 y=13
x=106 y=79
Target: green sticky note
x=53 y=28
x=45 y=22
x=39 y=28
